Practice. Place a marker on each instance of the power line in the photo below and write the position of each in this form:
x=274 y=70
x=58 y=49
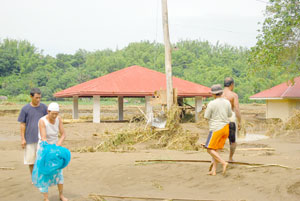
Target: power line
x=263 y=1
x=212 y=28
x=157 y=46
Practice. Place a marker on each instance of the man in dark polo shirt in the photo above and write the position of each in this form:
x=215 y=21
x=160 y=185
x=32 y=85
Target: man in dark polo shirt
x=29 y=118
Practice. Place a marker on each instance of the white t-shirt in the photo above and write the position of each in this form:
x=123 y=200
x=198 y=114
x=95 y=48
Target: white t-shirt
x=218 y=112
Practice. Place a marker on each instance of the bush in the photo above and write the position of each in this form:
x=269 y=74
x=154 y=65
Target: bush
x=22 y=98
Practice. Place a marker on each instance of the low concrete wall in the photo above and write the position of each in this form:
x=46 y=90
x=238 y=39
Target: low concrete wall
x=282 y=109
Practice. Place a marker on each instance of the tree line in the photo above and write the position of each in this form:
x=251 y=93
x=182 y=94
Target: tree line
x=274 y=59
x=23 y=66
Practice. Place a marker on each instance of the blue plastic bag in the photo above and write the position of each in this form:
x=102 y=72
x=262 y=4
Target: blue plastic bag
x=50 y=161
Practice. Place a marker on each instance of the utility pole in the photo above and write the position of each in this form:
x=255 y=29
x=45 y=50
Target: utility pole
x=168 y=64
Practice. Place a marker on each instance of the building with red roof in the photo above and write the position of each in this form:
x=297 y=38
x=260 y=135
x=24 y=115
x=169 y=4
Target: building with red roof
x=281 y=100
x=133 y=81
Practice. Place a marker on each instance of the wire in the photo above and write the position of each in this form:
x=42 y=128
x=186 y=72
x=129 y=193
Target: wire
x=156 y=34
x=262 y=1
x=212 y=28
x=157 y=2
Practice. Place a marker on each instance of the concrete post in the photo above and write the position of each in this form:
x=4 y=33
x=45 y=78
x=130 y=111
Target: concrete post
x=75 y=107
x=120 y=107
x=148 y=108
x=96 y=109
x=198 y=107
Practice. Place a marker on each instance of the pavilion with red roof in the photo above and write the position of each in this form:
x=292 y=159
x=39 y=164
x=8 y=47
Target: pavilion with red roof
x=133 y=81
x=281 y=100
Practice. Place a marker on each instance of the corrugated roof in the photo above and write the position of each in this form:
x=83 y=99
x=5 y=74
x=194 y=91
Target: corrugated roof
x=133 y=81
x=284 y=90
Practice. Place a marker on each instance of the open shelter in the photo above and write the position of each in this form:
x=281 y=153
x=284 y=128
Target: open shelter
x=133 y=81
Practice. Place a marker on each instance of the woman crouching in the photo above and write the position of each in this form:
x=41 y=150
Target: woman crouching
x=51 y=157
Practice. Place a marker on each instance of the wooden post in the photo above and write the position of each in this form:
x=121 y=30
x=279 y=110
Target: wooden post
x=175 y=96
x=75 y=107
x=120 y=107
x=96 y=109
x=168 y=64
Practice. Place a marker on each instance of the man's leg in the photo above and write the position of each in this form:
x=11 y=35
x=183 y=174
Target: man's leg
x=60 y=190
x=30 y=156
x=232 y=150
x=218 y=158
x=232 y=140
x=213 y=167
x=31 y=169
x=211 y=164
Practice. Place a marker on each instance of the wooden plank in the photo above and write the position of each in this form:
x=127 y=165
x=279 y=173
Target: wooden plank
x=7 y=168
x=99 y=196
x=209 y=161
x=175 y=96
x=189 y=161
x=168 y=51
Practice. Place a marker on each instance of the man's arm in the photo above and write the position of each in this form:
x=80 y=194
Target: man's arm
x=23 y=129
x=62 y=133
x=207 y=114
x=23 y=119
x=237 y=110
x=229 y=110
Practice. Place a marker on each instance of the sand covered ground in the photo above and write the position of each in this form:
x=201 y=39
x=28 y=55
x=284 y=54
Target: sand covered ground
x=117 y=173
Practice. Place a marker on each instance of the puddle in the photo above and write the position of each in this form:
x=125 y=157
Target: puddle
x=252 y=137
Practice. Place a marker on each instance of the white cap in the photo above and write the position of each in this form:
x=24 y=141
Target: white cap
x=53 y=107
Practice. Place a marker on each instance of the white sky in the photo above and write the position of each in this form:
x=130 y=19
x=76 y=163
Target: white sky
x=64 y=26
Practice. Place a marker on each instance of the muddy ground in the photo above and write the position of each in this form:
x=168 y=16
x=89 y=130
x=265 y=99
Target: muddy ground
x=117 y=173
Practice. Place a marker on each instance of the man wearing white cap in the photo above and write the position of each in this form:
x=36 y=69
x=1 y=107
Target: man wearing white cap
x=49 y=128
x=50 y=131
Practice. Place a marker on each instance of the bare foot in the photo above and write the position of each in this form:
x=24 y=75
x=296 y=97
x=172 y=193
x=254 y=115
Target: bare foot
x=212 y=173
x=224 y=168
x=46 y=199
x=63 y=198
x=230 y=160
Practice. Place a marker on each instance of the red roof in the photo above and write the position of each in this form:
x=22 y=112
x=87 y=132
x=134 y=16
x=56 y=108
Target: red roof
x=284 y=90
x=134 y=81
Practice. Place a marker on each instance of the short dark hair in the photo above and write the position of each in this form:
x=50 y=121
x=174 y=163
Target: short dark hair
x=35 y=91
x=219 y=94
x=228 y=81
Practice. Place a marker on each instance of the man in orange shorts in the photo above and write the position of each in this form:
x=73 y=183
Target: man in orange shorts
x=217 y=112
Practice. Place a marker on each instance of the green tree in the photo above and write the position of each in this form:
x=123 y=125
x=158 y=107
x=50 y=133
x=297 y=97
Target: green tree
x=22 y=66
x=9 y=58
x=278 y=44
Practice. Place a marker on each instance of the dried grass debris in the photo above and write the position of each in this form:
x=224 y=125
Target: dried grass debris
x=278 y=127
x=172 y=137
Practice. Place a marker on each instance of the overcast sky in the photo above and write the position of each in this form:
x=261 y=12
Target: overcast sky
x=64 y=26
